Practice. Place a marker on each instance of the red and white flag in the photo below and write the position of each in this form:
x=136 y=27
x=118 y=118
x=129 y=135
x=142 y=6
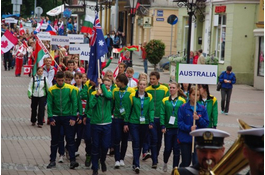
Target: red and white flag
x=27 y=69
x=7 y=41
x=21 y=30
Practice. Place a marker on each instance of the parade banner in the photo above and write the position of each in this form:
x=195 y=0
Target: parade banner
x=76 y=48
x=76 y=38
x=197 y=74
x=59 y=40
x=44 y=36
x=84 y=52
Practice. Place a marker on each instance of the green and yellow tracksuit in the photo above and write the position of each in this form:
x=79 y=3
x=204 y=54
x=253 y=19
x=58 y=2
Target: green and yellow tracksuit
x=158 y=92
x=147 y=110
x=121 y=100
x=62 y=101
x=101 y=106
x=168 y=110
x=212 y=110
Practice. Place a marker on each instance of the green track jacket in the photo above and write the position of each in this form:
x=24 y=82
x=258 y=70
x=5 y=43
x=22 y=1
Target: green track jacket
x=125 y=102
x=136 y=112
x=101 y=106
x=167 y=111
x=62 y=101
x=212 y=110
x=158 y=93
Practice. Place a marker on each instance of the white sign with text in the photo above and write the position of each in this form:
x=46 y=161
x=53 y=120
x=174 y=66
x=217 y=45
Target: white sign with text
x=84 y=52
x=76 y=48
x=197 y=74
x=76 y=38
x=59 y=40
x=44 y=36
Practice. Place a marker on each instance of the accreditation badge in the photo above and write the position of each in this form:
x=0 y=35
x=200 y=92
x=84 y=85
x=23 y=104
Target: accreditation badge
x=142 y=120
x=172 y=120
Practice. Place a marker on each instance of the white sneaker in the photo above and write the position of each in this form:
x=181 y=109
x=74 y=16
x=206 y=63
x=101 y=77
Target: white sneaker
x=61 y=159
x=117 y=164
x=165 y=167
x=122 y=163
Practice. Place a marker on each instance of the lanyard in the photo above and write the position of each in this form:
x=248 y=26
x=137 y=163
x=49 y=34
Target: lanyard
x=204 y=103
x=38 y=82
x=142 y=105
x=122 y=95
x=174 y=105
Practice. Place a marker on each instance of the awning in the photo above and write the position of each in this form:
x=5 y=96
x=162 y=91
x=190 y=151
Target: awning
x=11 y=15
x=56 y=11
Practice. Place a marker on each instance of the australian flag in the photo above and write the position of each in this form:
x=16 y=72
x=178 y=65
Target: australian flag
x=97 y=50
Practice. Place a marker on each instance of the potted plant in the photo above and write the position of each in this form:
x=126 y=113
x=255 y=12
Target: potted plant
x=155 y=50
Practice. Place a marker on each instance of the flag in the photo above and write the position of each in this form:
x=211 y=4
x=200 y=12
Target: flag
x=97 y=50
x=61 y=29
x=116 y=71
x=27 y=69
x=37 y=30
x=21 y=30
x=40 y=52
x=7 y=41
x=88 y=25
x=51 y=30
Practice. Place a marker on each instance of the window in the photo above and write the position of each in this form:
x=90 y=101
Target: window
x=261 y=57
x=185 y=38
x=220 y=38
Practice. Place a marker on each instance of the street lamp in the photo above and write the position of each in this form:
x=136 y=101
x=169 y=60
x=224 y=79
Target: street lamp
x=192 y=7
x=133 y=4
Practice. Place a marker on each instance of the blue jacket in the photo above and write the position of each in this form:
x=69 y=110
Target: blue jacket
x=185 y=121
x=231 y=77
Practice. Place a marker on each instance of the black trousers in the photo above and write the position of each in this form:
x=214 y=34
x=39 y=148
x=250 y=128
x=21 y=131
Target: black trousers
x=225 y=99
x=35 y=102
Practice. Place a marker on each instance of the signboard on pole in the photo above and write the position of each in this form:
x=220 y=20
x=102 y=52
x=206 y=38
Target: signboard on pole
x=84 y=52
x=59 y=40
x=197 y=74
x=76 y=38
x=44 y=26
x=44 y=36
x=10 y=20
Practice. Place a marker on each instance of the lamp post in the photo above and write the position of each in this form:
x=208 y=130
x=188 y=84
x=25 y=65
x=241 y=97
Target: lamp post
x=133 y=4
x=191 y=8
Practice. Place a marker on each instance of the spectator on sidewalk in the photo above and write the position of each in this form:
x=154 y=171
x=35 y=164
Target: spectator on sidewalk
x=8 y=60
x=116 y=44
x=123 y=40
x=201 y=59
x=227 y=79
x=144 y=57
x=109 y=43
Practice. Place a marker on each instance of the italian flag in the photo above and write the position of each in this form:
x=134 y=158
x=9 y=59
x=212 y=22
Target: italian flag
x=39 y=55
x=88 y=25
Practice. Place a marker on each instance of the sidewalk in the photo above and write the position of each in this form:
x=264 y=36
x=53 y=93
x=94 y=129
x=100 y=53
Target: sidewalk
x=26 y=149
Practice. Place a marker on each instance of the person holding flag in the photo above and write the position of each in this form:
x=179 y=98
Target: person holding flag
x=19 y=58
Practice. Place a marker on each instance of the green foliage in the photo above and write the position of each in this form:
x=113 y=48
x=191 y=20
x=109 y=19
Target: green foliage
x=155 y=51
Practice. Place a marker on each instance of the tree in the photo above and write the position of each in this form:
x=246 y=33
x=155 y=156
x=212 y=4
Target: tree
x=155 y=51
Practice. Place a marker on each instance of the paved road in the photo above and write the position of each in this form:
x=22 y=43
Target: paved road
x=26 y=149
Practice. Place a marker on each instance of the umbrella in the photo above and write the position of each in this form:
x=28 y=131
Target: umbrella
x=56 y=11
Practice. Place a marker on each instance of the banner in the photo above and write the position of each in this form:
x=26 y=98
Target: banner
x=84 y=52
x=76 y=38
x=59 y=40
x=44 y=36
x=197 y=74
x=76 y=48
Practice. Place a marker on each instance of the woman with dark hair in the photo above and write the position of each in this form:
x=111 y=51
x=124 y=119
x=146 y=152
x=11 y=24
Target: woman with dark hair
x=186 y=88
x=210 y=103
x=37 y=92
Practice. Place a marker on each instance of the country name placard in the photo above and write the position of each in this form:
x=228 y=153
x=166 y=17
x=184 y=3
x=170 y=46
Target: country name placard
x=77 y=48
x=197 y=74
x=76 y=38
x=59 y=40
x=44 y=36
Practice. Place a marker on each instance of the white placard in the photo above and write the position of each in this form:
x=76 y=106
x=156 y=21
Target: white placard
x=59 y=40
x=84 y=52
x=10 y=20
x=76 y=48
x=172 y=71
x=76 y=38
x=197 y=74
x=44 y=26
x=44 y=36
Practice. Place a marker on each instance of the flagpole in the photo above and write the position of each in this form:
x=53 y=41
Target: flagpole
x=98 y=73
